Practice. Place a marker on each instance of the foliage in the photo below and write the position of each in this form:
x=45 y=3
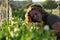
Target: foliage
x=50 y=4
x=19 y=13
x=29 y=3
x=18 y=30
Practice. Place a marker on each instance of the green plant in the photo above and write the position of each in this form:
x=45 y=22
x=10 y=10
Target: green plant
x=19 y=30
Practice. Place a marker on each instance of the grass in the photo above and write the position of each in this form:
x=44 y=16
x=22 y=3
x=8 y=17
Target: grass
x=18 y=30
x=54 y=11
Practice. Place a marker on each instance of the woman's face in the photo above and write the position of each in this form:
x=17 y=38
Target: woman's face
x=35 y=15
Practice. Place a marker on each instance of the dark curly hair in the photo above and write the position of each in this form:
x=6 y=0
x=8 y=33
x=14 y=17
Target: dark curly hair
x=36 y=7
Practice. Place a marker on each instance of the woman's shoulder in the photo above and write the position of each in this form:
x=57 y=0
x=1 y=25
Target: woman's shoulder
x=52 y=18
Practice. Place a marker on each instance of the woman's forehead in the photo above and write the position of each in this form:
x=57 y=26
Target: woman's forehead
x=35 y=8
x=34 y=12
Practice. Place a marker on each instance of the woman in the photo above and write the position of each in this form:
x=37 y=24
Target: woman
x=37 y=14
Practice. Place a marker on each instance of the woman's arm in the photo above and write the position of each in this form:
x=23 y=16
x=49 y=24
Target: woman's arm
x=56 y=27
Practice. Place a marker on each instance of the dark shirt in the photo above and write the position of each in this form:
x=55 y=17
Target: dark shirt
x=51 y=19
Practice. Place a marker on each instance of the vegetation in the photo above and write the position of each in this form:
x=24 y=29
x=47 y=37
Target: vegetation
x=18 y=30
x=50 y=5
x=20 y=13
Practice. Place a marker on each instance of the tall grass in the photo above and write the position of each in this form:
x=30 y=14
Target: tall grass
x=18 y=30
